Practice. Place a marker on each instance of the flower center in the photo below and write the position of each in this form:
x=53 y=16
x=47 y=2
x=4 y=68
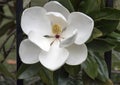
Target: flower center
x=56 y=29
x=57 y=36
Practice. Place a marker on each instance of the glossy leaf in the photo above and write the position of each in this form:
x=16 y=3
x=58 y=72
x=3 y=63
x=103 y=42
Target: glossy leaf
x=103 y=3
x=102 y=70
x=38 y=2
x=88 y=81
x=47 y=76
x=72 y=70
x=32 y=70
x=100 y=46
x=22 y=68
x=88 y=6
x=66 y=79
x=5 y=71
x=107 y=26
x=76 y=4
x=118 y=27
x=106 y=13
x=95 y=34
x=90 y=66
x=63 y=77
x=115 y=35
x=108 y=82
x=117 y=48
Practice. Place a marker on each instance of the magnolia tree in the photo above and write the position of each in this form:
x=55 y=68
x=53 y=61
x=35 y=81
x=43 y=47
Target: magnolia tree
x=66 y=41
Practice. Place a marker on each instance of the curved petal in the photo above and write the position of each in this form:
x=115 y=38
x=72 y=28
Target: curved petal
x=29 y=52
x=41 y=41
x=69 y=41
x=77 y=54
x=83 y=23
x=35 y=19
x=57 y=18
x=55 y=58
x=54 y=6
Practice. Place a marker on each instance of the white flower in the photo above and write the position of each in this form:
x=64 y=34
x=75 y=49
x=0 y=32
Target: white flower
x=55 y=36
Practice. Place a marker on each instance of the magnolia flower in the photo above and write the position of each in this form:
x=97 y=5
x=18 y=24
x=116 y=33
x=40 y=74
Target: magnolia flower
x=55 y=36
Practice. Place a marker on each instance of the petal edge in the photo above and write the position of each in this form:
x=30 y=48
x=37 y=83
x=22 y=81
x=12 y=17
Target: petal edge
x=54 y=6
x=55 y=58
x=29 y=52
x=77 y=54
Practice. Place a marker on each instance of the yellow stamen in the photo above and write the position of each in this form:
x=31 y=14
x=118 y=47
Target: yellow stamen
x=56 y=29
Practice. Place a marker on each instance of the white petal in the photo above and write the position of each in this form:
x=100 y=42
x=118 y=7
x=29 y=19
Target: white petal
x=69 y=41
x=77 y=54
x=29 y=52
x=57 y=18
x=35 y=19
x=54 y=6
x=55 y=58
x=83 y=23
x=41 y=41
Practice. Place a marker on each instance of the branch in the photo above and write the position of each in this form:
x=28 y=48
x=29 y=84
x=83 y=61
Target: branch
x=6 y=40
x=6 y=53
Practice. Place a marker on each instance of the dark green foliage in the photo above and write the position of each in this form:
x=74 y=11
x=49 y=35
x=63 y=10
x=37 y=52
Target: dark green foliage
x=105 y=37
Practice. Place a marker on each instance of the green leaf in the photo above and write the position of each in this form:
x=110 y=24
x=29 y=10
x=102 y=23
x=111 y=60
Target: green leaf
x=108 y=82
x=90 y=67
x=31 y=70
x=12 y=10
x=1 y=19
x=38 y=2
x=102 y=70
x=6 y=27
x=107 y=26
x=76 y=4
x=106 y=13
x=88 y=81
x=102 y=77
x=96 y=33
x=117 y=48
x=116 y=4
x=103 y=4
x=22 y=68
x=67 y=4
x=100 y=46
x=5 y=71
x=115 y=35
x=88 y=6
x=1 y=57
x=47 y=76
x=118 y=27
x=114 y=39
x=66 y=79
x=72 y=70
x=63 y=77
x=26 y=2
x=116 y=58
